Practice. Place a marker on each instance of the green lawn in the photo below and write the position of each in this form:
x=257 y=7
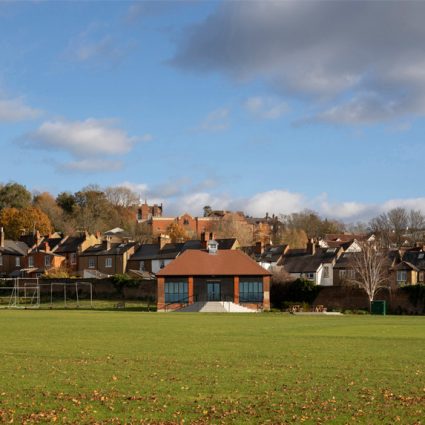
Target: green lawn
x=131 y=367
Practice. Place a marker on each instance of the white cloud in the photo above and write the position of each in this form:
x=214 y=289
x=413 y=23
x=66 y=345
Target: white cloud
x=90 y=137
x=350 y=61
x=13 y=110
x=92 y=165
x=217 y=120
x=266 y=107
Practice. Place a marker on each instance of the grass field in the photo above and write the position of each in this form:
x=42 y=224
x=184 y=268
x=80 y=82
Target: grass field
x=128 y=367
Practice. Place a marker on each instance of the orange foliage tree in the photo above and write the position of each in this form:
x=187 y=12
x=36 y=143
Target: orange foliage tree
x=19 y=221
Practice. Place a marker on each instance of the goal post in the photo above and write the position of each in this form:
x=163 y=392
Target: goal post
x=70 y=294
x=19 y=293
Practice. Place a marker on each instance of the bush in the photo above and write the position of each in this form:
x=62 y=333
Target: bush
x=299 y=291
x=416 y=295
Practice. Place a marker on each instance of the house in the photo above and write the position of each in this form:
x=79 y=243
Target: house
x=71 y=246
x=267 y=256
x=409 y=269
x=213 y=275
x=12 y=255
x=106 y=258
x=313 y=263
x=43 y=259
x=343 y=269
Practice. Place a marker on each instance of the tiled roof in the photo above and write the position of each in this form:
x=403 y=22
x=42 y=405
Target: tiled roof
x=100 y=249
x=272 y=253
x=14 y=248
x=299 y=261
x=223 y=263
x=71 y=244
x=146 y=252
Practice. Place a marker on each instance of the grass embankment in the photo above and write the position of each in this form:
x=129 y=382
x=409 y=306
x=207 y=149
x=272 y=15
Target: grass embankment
x=125 y=367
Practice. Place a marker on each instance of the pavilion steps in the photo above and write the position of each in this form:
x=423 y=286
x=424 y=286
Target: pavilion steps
x=215 y=307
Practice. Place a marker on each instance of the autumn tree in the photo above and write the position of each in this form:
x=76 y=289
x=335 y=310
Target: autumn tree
x=25 y=220
x=370 y=267
x=234 y=225
x=46 y=203
x=14 y=195
x=295 y=238
x=176 y=233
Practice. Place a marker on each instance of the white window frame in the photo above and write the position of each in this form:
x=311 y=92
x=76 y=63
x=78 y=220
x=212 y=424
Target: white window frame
x=400 y=274
x=30 y=261
x=142 y=266
x=108 y=262
x=326 y=272
x=47 y=261
x=17 y=261
x=73 y=258
x=92 y=263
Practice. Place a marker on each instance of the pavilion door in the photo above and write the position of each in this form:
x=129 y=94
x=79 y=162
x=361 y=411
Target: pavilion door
x=213 y=291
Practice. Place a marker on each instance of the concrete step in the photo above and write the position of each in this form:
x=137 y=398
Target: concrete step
x=215 y=307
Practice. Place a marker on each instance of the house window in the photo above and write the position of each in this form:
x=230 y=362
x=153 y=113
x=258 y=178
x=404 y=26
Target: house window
x=1 y=260
x=31 y=261
x=142 y=266
x=310 y=276
x=17 y=261
x=161 y=264
x=108 y=262
x=250 y=290
x=421 y=277
x=176 y=291
x=92 y=263
x=326 y=272
x=186 y=222
x=342 y=274
x=401 y=276
x=351 y=274
x=73 y=258
x=47 y=261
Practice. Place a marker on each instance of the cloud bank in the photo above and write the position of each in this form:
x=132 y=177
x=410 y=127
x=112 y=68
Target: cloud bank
x=354 y=61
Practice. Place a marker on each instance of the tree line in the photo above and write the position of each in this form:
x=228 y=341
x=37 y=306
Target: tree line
x=98 y=209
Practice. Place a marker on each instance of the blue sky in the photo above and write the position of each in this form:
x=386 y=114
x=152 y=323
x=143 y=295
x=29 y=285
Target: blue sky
x=256 y=106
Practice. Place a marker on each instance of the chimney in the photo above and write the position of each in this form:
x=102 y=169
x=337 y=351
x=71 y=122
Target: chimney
x=163 y=240
x=311 y=247
x=1 y=237
x=108 y=243
x=259 y=247
x=46 y=246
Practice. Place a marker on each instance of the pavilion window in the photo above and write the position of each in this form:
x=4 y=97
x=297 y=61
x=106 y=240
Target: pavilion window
x=176 y=291
x=250 y=290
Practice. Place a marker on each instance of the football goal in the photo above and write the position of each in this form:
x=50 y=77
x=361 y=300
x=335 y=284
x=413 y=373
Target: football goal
x=19 y=293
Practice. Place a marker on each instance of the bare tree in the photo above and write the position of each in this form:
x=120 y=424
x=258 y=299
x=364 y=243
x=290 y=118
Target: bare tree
x=121 y=196
x=371 y=270
x=416 y=225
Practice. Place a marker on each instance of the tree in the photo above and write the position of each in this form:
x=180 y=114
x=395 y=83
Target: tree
x=121 y=196
x=207 y=210
x=25 y=220
x=295 y=238
x=14 y=195
x=176 y=233
x=46 y=203
x=370 y=267
x=416 y=225
x=234 y=225
x=66 y=201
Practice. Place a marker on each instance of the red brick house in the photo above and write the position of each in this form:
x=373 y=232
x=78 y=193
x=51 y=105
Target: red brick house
x=201 y=276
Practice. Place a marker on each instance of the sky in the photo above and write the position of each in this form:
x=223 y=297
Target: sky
x=259 y=106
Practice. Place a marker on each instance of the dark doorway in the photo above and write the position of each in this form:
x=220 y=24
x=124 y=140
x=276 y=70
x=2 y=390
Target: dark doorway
x=214 y=292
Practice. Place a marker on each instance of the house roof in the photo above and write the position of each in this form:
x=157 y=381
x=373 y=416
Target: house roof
x=415 y=258
x=272 y=253
x=345 y=260
x=100 y=249
x=71 y=244
x=300 y=261
x=148 y=251
x=16 y=248
x=223 y=263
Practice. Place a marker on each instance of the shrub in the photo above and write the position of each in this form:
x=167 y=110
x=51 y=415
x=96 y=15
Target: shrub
x=298 y=291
